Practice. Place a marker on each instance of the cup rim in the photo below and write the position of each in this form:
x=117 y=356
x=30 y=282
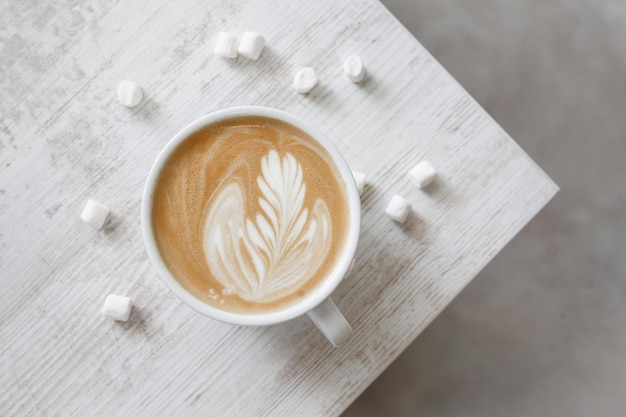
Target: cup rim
x=323 y=290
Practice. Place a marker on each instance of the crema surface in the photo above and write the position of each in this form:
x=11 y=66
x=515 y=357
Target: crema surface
x=250 y=214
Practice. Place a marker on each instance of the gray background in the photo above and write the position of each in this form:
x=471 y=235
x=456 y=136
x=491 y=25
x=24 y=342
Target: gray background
x=542 y=330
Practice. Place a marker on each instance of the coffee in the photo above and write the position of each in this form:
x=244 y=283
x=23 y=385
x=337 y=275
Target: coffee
x=250 y=214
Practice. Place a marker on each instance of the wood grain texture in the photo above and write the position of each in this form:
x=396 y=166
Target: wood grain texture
x=65 y=138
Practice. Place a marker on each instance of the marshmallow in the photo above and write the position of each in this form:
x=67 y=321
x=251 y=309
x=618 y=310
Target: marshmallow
x=94 y=213
x=129 y=93
x=359 y=178
x=251 y=45
x=423 y=174
x=354 y=69
x=305 y=80
x=398 y=209
x=226 y=46
x=117 y=307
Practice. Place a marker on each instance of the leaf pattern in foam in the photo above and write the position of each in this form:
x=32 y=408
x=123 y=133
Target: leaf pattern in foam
x=270 y=254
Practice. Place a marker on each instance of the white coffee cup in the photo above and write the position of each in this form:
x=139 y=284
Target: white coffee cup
x=317 y=304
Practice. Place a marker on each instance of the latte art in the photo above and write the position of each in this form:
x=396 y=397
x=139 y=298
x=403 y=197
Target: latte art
x=266 y=256
x=250 y=214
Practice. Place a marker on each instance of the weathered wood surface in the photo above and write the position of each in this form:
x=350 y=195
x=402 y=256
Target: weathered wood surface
x=65 y=138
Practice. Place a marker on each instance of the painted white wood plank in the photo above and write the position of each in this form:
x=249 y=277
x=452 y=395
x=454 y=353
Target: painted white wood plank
x=65 y=138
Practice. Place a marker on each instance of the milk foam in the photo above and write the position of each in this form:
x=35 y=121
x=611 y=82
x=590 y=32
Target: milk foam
x=265 y=256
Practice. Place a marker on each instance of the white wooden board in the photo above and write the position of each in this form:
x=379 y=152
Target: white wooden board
x=65 y=138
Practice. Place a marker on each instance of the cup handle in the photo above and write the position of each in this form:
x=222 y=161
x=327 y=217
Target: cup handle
x=331 y=322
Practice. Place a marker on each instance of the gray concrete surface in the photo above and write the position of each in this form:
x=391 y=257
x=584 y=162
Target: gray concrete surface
x=542 y=330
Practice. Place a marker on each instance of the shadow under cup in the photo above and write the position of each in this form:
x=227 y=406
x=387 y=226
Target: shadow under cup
x=222 y=216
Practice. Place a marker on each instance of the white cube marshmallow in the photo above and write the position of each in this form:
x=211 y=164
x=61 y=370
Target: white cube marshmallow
x=305 y=80
x=359 y=178
x=353 y=67
x=95 y=213
x=129 y=93
x=251 y=45
x=398 y=209
x=226 y=45
x=423 y=174
x=117 y=307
